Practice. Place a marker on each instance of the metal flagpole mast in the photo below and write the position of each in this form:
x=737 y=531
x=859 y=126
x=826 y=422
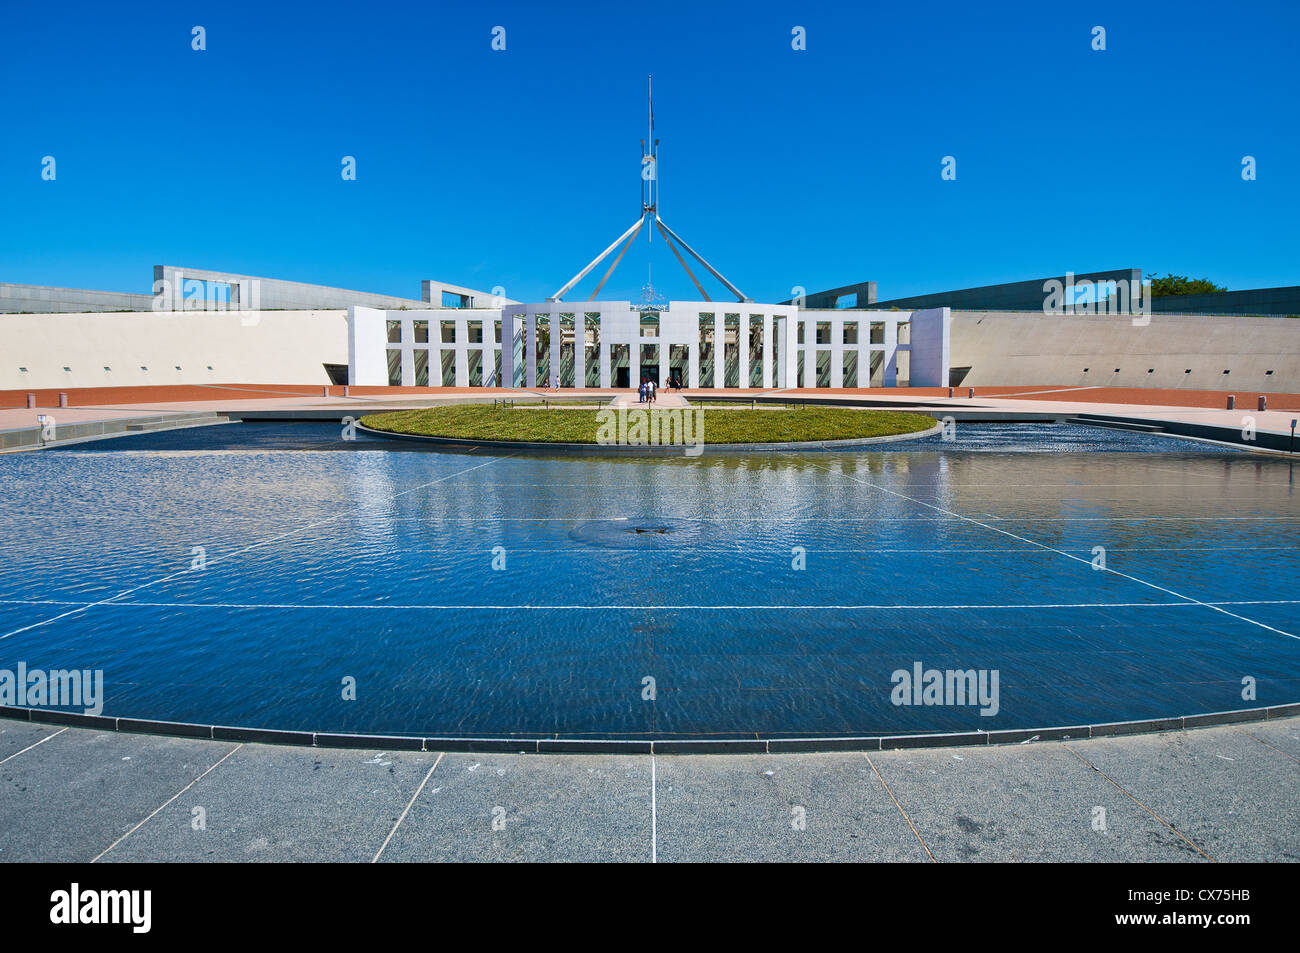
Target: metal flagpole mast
x=652 y=186
x=649 y=210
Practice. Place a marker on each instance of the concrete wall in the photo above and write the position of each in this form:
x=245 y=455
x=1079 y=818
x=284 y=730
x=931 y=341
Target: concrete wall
x=367 y=347
x=863 y=293
x=1256 y=301
x=1004 y=348
x=931 y=347
x=1030 y=296
x=249 y=292
x=259 y=347
x=432 y=291
x=41 y=299
x=1013 y=296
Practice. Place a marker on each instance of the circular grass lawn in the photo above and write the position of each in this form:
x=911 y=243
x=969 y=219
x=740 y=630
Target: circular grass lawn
x=585 y=425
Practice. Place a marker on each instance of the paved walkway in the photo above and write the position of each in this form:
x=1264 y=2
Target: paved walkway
x=1227 y=793
x=664 y=401
x=1207 y=407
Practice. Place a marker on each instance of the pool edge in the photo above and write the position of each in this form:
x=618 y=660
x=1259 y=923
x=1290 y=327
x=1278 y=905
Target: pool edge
x=667 y=746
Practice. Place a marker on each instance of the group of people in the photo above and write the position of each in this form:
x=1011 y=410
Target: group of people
x=650 y=390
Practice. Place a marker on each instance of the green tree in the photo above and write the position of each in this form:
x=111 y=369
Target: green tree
x=1182 y=285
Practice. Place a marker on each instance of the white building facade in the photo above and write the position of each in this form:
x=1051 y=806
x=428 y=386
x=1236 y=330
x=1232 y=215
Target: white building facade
x=613 y=345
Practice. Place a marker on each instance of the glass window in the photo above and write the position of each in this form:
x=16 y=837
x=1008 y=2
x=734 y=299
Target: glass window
x=568 y=349
x=619 y=368
x=542 y=350
x=679 y=363
x=823 y=332
x=877 y=332
x=706 y=350
x=394 y=332
x=448 y=332
x=475 y=332
x=731 y=350
x=850 y=332
x=394 y=368
x=877 y=378
x=421 y=367
x=591 y=349
x=421 y=332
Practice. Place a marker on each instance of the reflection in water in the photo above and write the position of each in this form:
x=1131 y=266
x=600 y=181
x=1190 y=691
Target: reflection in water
x=474 y=595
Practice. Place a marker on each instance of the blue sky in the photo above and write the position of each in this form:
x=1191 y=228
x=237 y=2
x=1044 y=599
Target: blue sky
x=816 y=168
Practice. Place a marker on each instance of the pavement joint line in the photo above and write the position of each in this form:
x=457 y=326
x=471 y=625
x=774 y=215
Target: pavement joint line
x=1190 y=604
x=1066 y=554
x=210 y=769
x=1050 y=390
x=239 y=552
x=654 y=812
x=900 y=807
x=410 y=804
x=1139 y=803
x=587 y=518
x=30 y=747
x=1284 y=754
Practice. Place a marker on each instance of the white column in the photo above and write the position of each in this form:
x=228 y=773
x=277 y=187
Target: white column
x=462 y=351
x=891 y=352
x=605 y=378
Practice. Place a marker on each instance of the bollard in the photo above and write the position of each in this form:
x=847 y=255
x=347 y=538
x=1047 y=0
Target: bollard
x=1232 y=401
x=1263 y=402
x=31 y=401
x=970 y=392
x=63 y=399
x=952 y=392
x=347 y=391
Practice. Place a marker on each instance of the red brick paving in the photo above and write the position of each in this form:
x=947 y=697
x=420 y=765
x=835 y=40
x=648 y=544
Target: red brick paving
x=108 y=396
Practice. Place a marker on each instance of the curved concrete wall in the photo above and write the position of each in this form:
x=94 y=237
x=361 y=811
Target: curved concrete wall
x=1001 y=348
x=209 y=347
x=42 y=299
x=1017 y=348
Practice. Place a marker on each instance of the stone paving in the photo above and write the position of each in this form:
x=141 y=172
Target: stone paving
x=1191 y=407
x=1227 y=793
